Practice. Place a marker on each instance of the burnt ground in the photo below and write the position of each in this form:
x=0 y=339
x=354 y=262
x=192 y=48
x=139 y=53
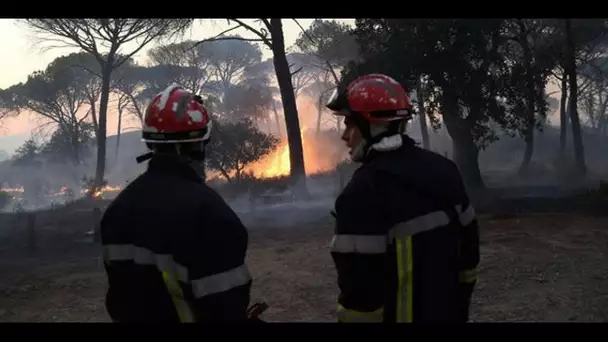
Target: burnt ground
x=538 y=267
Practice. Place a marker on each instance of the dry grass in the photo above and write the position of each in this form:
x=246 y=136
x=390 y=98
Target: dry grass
x=534 y=268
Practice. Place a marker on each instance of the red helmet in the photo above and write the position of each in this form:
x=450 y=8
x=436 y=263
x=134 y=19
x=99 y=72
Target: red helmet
x=375 y=97
x=174 y=116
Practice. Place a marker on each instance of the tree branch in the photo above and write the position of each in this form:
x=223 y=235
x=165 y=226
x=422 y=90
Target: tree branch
x=331 y=69
x=267 y=23
x=220 y=34
x=264 y=37
x=295 y=72
x=226 y=38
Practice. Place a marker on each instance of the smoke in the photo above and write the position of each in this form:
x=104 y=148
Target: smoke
x=273 y=205
x=279 y=209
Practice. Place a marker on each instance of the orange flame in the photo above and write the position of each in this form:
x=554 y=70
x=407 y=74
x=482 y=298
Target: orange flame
x=99 y=192
x=19 y=189
x=319 y=156
x=275 y=164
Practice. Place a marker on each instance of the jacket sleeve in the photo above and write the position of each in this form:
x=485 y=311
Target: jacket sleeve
x=117 y=294
x=358 y=249
x=469 y=256
x=219 y=279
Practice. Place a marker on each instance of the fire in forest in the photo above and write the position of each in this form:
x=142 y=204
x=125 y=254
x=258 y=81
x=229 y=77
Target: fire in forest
x=98 y=193
x=322 y=153
x=19 y=189
x=65 y=190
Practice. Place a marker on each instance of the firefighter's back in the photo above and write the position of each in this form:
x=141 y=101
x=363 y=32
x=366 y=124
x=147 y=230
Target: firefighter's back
x=419 y=194
x=152 y=232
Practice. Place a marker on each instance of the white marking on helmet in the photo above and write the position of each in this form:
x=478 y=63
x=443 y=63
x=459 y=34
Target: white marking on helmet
x=174 y=107
x=150 y=129
x=160 y=119
x=393 y=100
x=195 y=115
x=164 y=96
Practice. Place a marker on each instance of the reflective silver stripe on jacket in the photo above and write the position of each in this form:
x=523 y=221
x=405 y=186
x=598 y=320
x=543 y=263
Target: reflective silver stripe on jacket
x=377 y=244
x=360 y=244
x=221 y=282
x=420 y=224
x=215 y=283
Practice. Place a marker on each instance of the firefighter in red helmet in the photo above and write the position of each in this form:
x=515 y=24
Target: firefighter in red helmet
x=174 y=251
x=406 y=243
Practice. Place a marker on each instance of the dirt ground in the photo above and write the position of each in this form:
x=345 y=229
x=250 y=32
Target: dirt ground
x=534 y=268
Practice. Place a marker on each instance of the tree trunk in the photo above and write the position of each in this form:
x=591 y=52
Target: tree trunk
x=530 y=97
x=563 y=119
x=577 y=139
x=319 y=114
x=602 y=118
x=93 y=102
x=75 y=146
x=269 y=124
x=118 y=128
x=465 y=151
x=138 y=112
x=281 y=66
x=103 y=110
x=226 y=175
x=238 y=176
x=277 y=119
x=422 y=115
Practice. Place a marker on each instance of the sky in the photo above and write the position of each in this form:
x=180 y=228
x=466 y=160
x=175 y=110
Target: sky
x=23 y=54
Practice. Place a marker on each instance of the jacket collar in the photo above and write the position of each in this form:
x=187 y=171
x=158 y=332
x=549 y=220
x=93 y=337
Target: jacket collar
x=173 y=165
x=388 y=144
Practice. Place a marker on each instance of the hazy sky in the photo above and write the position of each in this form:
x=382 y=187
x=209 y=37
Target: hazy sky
x=22 y=54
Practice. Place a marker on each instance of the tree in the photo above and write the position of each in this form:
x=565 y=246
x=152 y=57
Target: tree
x=230 y=58
x=236 y=145
x=136 y=83
x=460 y=59
x=27 y=162
x=330 y=45
x=7 y=103
x=581 y=40
x=93 y=34
x=585 y=36
x=27 y=154
x=247 y=101
x=530 y=50
x=420 y=103
x=59 y=148
x=90 y=79
x=303 y=72
x=320 y=90
x=193 y=67
x=595 y=98
x=57 y=94
x=123 y=102
x=276 y=43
